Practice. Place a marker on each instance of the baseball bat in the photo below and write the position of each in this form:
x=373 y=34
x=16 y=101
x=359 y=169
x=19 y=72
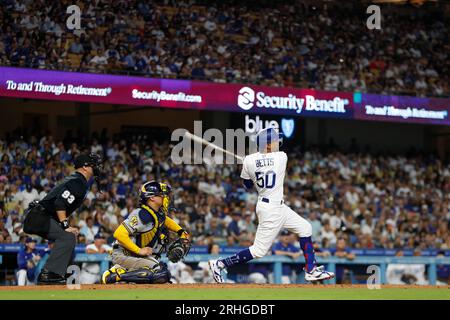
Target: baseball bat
x=207 y=143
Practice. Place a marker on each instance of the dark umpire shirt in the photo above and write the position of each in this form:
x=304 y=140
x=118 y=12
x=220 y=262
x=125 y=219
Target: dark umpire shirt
x=68 y=195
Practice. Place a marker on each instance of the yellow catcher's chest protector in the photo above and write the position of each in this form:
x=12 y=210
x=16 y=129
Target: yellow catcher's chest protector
x=144 y=227
x=147 y=238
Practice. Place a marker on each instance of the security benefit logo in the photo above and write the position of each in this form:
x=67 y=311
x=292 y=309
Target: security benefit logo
x=248 y=98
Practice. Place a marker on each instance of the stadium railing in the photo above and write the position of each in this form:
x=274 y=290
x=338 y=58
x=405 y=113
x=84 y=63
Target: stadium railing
x=278 y=261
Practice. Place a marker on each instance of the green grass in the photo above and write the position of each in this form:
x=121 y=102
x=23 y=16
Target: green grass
x=231 y=294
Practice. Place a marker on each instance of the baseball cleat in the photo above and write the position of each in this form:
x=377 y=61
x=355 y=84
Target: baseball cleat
x=318 y=274
x=112 y=275
x=47 y=277
x=216 y=271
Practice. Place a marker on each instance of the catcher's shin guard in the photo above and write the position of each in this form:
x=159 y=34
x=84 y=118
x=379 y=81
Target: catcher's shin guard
x=111 y=276
x=146 y=276
x=161 y=276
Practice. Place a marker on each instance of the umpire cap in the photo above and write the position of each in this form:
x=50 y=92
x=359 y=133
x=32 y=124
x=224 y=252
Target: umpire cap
x=89 y=160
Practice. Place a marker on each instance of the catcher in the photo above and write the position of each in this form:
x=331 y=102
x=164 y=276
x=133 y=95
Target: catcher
x=143 y=237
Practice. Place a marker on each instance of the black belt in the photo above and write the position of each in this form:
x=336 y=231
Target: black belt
x=37 y=206
x=268 y=201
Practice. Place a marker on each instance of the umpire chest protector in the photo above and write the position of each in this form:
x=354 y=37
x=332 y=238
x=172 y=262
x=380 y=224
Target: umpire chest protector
x=67 y=196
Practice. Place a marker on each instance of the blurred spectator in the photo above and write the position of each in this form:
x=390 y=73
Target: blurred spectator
x=342 y=271
x=89 y=230
x=27 y=259
x=181 y=272
x=28 y=195
x=443 y=271
x=315 y=224
x=203 y=274
x=90 y=271
x=402 y=274
x=99 y=60
x=233 y=227
x=285 y=247
x=216 y=229
x=76 y=47
x=16 y=232
x=247 y=223
x=328 y=233
x=319 y=251
x=342 y=251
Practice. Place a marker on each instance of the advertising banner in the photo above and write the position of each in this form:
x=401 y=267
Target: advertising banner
x=402 y=109
x=168 y=93
x=198 y=95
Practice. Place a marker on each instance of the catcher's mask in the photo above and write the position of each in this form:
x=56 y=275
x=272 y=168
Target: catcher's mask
x=166 y=188
x=151 y=189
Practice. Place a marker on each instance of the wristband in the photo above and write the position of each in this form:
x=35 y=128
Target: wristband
x=181 y=231
x=64 y=224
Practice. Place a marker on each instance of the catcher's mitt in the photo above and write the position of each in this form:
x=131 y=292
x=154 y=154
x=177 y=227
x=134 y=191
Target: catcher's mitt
x=178 y=249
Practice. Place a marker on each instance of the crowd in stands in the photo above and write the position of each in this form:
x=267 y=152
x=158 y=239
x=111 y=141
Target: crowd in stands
x=352 y=198
x=269 y=43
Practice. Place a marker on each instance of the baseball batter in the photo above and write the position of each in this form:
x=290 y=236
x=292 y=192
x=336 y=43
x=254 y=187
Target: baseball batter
x=265 y=170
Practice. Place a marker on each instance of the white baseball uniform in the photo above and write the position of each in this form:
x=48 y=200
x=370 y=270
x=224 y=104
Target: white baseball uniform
x=267 y=171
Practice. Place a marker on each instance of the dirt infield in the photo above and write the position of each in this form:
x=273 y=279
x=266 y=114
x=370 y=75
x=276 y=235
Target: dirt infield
x=209 y=286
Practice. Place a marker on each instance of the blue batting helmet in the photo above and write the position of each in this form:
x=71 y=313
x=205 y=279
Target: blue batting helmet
x=268 y=136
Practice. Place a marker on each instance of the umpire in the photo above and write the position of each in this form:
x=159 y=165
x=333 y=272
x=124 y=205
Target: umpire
x=48 y=218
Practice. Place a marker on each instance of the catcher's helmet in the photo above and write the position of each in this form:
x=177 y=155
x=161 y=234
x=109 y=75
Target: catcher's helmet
x=268 y=136
x=89 y=160
x=151 y=189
